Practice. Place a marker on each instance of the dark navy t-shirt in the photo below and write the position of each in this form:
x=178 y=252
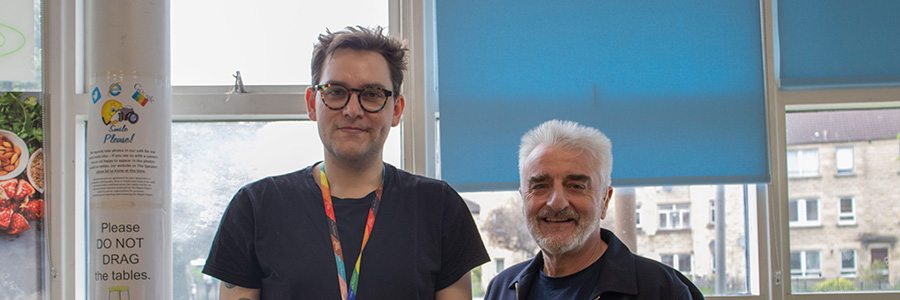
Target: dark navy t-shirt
x=566 y=287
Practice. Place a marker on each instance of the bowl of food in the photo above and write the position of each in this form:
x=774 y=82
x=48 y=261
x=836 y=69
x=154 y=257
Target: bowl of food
x=13 y=155
x=36 y=170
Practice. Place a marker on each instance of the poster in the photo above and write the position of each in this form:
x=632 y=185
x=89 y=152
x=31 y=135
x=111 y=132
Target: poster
x=17 y=20
x=127 y=165
x=21 y=195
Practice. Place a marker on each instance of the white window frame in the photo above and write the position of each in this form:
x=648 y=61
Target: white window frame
x=66 y=103
x=803 y=160
x=676 y=261
x=851 y=272
x=805 y=272
x=66 y=108
x=846 y=218
x=843 y=165
x=680 y=210
x=803 y=219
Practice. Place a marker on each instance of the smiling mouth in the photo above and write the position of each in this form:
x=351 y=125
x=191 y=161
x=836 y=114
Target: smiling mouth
x=557 y=219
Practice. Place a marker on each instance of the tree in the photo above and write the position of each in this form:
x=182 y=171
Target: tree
x=505 y=228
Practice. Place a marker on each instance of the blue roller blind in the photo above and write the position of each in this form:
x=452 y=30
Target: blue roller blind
x=676 y=85
x=837 y=43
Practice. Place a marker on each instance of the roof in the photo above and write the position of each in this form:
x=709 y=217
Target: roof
x=842 y=126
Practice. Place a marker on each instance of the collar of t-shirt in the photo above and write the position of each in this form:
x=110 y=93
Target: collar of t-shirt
x=576 y=286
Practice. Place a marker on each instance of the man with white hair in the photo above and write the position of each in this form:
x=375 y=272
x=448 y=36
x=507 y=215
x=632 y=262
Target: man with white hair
x=564 y=172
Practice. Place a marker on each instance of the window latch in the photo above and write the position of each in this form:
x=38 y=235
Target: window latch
x=238 y=84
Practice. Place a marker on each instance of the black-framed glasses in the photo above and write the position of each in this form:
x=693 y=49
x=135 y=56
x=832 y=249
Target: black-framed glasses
x=371 y=99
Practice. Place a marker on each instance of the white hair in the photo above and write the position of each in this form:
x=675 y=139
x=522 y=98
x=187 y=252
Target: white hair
x=568 y=134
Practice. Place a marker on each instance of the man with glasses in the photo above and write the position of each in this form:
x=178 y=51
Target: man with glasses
x=351 y=224
x=564 y=177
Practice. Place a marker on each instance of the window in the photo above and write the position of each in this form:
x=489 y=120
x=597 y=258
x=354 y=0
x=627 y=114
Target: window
x=680 y=262
x=231 y=34
x=712 y=211
x=499 y=264
x=804 y=212
x=843 y=160
x=803 y=163
x=848 y=263
x=846 y=213
x=637 y=216
x=674 y=216
x=806 y=264
x=208 y=178
x=824 y=211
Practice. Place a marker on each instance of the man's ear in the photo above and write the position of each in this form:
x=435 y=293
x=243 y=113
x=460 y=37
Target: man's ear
x=605 y=202
x=399 y=103
x=311 y=103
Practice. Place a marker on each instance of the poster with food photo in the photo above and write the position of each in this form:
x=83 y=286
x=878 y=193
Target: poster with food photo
x=22 y=203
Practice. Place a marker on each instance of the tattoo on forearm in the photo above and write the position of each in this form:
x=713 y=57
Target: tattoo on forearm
x=230 y=286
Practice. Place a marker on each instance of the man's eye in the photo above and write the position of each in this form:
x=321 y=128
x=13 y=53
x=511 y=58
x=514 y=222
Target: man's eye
x=578 y=186
x=336 y=92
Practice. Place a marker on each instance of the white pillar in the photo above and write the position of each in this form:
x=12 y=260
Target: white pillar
x=129 y=142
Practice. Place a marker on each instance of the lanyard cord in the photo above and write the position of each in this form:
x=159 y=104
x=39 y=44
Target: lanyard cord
x=347 y=293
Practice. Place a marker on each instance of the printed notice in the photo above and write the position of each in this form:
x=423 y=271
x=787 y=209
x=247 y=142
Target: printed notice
x=127 y=246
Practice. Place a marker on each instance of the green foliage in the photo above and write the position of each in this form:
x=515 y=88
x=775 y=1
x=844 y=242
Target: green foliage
x=22 y=118
x=477 y=290
x=834 y=285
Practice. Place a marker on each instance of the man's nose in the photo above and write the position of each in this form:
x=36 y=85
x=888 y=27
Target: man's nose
x=353 y=108
x=558 y=200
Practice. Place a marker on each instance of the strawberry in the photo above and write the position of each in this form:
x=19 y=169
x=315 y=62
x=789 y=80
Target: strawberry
x=32 y=210
x=5 y=216
x=25 y=190
x=9 y=187
x=17 y=224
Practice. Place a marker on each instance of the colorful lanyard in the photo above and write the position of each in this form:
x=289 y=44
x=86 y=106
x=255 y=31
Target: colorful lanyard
x=336 y=241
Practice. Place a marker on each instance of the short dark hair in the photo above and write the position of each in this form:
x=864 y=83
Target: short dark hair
x=361 y=38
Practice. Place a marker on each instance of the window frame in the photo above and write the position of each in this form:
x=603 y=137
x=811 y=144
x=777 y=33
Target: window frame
x=841 y=214
x=63 y=56
x=802 y=160
x=849 y=272
x=803 y=219
x=837 y=161
x=676 y=208
x=805 y=272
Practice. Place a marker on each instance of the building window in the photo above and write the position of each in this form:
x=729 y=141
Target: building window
x=843 y=160
x=803 y=163
x=500 y=264
x=712 y=211
x=804 y=212
x=847 y=213
x=680 y=262
x=637 y=216
x=674 y=216
x=806 y=264
x=848 y=263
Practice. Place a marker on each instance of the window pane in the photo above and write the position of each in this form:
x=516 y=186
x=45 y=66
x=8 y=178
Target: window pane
x=208 y=177
x=795 y=261
x=846 y=205
x=506 y=235
x=848 y=259
x=844 y=159
x=792 y=211
x=868 y=200
x=269 y=41
x=667 y=259
x=812 y=210
x=684 y=263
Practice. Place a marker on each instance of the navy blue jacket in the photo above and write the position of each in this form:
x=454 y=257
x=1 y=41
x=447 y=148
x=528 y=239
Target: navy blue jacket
x=623 y=275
